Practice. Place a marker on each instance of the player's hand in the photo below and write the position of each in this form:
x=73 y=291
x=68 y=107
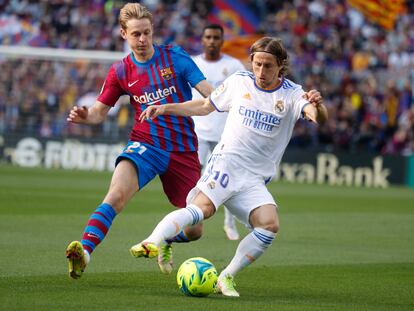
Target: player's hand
x=314 y=97
x=151 y=112
x=78 y=114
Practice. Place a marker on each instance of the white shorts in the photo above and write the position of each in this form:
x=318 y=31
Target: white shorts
x=226 y=182
x=205 y=148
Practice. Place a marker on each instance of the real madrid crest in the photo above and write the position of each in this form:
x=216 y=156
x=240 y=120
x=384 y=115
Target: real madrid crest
x=279 y=106
x=166 y=73
x=211 y=184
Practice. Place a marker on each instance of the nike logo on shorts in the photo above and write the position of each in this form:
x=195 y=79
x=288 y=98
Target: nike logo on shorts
x=132 y=83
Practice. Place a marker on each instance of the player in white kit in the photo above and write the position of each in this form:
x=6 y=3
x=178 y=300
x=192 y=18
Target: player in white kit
x=263 y=109
x=216 y=67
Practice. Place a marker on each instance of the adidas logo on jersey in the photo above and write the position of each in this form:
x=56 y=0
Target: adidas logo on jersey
x=247 y=96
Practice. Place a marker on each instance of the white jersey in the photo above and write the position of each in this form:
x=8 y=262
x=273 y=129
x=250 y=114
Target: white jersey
x=260 y=122
x=210 y=127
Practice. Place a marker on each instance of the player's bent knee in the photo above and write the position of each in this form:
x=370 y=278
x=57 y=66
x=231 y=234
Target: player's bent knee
x=266 y=218
x=273 y=227
x=195 y=232
x=208 y=210
x=270 y=226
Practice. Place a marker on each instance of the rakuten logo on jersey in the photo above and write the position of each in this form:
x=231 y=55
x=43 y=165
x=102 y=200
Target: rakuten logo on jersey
x=154 y=97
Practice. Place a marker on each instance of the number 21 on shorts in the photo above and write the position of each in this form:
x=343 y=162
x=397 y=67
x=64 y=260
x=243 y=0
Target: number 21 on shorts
x=136 y=147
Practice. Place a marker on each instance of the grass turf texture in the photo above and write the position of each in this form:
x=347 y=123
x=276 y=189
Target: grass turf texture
x=338 y=249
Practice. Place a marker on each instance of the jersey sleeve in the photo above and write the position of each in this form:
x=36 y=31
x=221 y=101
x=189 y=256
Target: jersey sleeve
x=221 y=97
x=187 y=67
x=298 y=102
x=111 y=89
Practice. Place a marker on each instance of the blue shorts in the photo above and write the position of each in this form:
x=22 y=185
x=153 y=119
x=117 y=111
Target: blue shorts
x=178 y=171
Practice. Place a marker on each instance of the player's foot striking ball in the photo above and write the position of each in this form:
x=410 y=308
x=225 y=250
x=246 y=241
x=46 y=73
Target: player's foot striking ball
x=225 y=286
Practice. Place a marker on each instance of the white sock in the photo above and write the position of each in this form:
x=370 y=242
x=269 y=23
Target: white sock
x=249 y=249
x=174 y=222
x=228 y=218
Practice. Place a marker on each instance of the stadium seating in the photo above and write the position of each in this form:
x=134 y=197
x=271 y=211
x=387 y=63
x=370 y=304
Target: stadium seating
x=365 y=73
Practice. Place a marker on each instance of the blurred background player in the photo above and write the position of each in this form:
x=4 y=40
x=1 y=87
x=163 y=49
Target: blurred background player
x=263 y=108
x=216 y=66
x=167 y=147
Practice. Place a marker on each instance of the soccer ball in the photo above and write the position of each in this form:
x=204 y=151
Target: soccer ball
x=197 y=277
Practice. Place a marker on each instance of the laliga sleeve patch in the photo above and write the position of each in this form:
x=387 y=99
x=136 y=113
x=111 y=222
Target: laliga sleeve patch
x=219 y=90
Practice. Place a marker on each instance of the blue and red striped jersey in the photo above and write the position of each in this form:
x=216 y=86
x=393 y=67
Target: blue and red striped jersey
x=166 y=78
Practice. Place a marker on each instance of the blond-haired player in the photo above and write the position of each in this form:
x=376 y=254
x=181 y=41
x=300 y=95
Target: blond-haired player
x=151 y=75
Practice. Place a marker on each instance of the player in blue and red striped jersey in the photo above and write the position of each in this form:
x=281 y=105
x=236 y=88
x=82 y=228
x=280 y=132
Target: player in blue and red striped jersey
x=167 y=146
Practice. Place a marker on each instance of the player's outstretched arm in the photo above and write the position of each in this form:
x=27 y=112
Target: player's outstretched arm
x=196 y=107
x=313 y=96
x=316 y=112
x=93 y=115
x=204 y=88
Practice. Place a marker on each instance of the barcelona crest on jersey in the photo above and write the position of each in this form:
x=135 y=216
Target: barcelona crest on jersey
x=166 y=73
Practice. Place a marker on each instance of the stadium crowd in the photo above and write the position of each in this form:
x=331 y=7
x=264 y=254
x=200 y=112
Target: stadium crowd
x=365 y=73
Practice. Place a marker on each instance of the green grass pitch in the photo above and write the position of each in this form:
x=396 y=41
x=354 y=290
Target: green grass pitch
x=338 y=249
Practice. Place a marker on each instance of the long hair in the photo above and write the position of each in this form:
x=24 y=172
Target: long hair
x=275 y=47
x=133 y=11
